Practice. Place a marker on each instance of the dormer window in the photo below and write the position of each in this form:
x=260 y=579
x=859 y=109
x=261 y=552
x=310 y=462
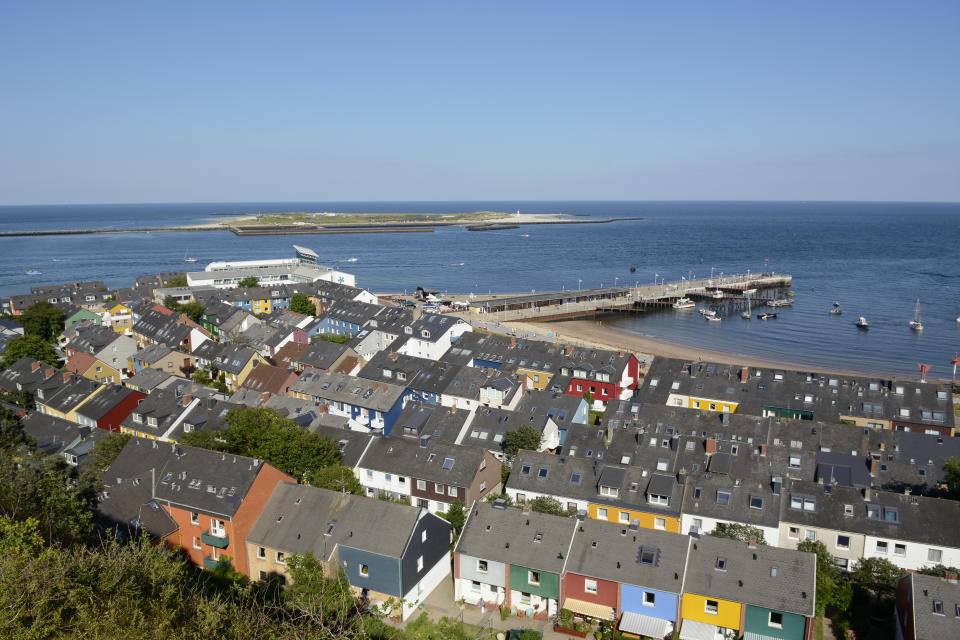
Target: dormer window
x=408 y=331
x=425 y=333
x=137 y=417
x=611 y=492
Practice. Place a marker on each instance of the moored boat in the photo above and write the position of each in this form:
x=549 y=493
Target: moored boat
x=862 y=323
x=766 y=316
x=916 y=324
x=684 y=303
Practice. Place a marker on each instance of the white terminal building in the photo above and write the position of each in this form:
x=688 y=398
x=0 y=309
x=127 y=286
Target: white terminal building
x=300 y=269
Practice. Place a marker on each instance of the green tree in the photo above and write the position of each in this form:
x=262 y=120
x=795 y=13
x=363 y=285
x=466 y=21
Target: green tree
x=879 y=575
x=523 y=437
x=29 y=347
x=42 y=319
x=250 y=282
x=456 y=515
x=193 y=310
x=336 y=477
x=941 y=571
x=339 y=338
x=179 y=281
x=171 y=303
x=549 y=504
x=21 y=397
x=12 y=437
x=301 y=303
x=265 y=434
x=831 y=590
x=19 y=536
x=107 y=450
x=46 y=491
x=329 y=601
x=951 y=467
x=741 y=532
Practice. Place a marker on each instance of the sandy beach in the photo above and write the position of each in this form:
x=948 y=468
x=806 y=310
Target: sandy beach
x=596 y=334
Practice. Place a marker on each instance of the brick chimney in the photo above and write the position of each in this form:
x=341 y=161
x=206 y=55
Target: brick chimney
x=744 y=374
x=34 y=366
x=323 y=408
x=568 y=349
x=711 y=445
x=66 y=376
x=185 y=400
x=513 y=342
x=763 y=450
x=47 y=374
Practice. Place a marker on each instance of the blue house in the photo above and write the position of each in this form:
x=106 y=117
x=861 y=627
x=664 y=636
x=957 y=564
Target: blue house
x=387 y=551
x=645 y=567
x=369 y=406
x=346 y=316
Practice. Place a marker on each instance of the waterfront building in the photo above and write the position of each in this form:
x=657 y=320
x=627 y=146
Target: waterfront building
x=302 y=268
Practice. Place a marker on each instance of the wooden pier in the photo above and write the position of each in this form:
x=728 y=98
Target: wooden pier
x=591 y=303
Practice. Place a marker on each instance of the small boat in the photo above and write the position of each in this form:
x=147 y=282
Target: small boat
x=836 y=304
x=790 y=294
x=633 y=269
x=782 y=302
x=862 y=323
x=351 y=260
x=916 y=324
x=836 y=312
x=527 y=235
x=746 y=314
x=713 y=318
x=684 y=303
x=186 y=256
x=718 y=295
x=32 y=272
x=766 y=316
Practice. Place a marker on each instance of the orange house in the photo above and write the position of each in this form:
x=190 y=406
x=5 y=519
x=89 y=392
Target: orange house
x=199 y=501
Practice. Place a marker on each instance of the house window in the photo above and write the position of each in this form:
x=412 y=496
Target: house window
x=756 y=502
x=848 y=509
x=261 y=553
x=934 y=555
x=649 y=599
x=481 y=566
x=533 y=577
x=423 y=536
x=660 y=523
x=422 y=485
x=899 y=549
x=194 y=518
x=196 y=542
x=843 y=542
x=364 y=570
x=590 y=586
x=524 y=598
x=278 y=558
x=438 y=488
x=601 y=513
x=881 y=547
x=218 y=528
x=712 y=607
x=721 y=564
x=625 y=516
x=475 y=586
x=775 y=620
x=811 y=535
x=723 y=497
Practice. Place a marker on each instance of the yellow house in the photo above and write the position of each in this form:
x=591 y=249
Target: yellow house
x=711 y=610
x=626 y=515
x=703 y=404
x=121 y=318
x=84 y=364
x=67 y=399
x=536 y=378
x=236 y=363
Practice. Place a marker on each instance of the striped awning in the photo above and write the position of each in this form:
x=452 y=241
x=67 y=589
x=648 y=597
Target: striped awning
x=751 y=635
x=694 y=630
x=589 y=609
x=641 y=625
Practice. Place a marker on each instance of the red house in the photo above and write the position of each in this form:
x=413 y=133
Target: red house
x=110 y=406
x=201 y=502
x=606 y=375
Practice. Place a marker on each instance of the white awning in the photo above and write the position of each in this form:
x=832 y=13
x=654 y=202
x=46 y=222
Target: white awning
x=589 y=609
x=750 y=635
x=693 y=630
x=641 y=625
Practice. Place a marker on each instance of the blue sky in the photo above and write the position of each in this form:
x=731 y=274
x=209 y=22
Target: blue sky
x=297 y=101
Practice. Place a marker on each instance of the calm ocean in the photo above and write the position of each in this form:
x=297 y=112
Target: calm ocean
x=874 y=259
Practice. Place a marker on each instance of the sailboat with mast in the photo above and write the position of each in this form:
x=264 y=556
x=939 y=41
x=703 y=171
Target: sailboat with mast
x=746 y=314
x=186 y=256
x=916 y=324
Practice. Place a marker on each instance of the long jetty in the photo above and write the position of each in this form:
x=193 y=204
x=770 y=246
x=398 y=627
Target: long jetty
x=588 y=303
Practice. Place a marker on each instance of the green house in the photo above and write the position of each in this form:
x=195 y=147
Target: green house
x=787 y=413
x=533 y=588
x=79 y=314
x=770 y=623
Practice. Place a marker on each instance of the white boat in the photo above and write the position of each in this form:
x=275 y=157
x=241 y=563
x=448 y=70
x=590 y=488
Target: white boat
x=684 y=303
x=766 y=316
x=746 y=314
x=782 y=302
x=713 y=317
x=186 y=256
x=916 y=324
x=32 y=272
x=351 y=260
x=862 y=323
x=718 y=295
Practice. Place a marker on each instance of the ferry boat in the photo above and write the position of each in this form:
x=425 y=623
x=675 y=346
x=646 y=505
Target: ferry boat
x=684 y=303
x=766 y=316
x=862 y=323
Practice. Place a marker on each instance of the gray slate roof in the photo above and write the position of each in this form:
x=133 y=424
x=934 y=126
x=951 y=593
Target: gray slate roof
x=926 y=590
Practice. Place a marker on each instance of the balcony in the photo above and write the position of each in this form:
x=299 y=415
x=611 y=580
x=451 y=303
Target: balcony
x=210 y=563
x=215 y=541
